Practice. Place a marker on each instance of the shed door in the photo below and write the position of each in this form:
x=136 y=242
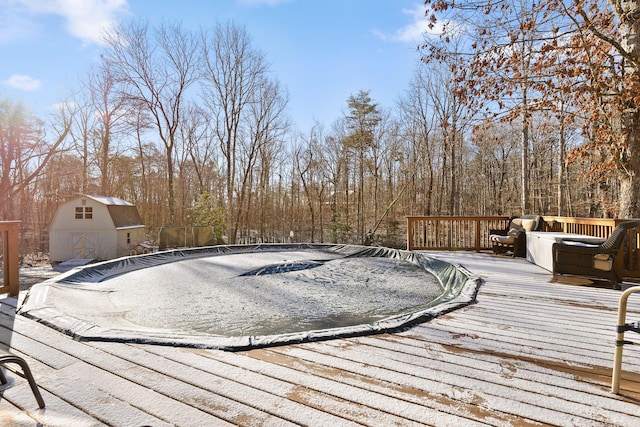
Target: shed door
x=83 y=245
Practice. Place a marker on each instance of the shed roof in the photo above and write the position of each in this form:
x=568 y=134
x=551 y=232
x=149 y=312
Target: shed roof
x=123 y=213
x=109 y=201
x=124 y=216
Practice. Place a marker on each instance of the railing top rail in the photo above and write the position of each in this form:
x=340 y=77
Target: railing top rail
x=589 y=221
x=547 y=218
x=460 y=217
x=9 y=225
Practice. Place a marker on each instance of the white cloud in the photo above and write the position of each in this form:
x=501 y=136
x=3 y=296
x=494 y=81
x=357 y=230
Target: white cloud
x=88 y=20
x=23 y=82
x=414 y=31
x=84 y=19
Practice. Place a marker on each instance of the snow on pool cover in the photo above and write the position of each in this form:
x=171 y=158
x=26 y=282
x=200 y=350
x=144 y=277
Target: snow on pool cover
x=247 y=296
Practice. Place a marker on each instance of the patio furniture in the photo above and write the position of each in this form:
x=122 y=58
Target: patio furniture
x=540 y=245
x=6 y=357
x=580 y=258
x=513 y=238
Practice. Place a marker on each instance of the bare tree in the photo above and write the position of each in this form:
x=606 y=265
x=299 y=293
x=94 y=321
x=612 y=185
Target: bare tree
x=155 y=68
x=308 y=156
x=82 y=132
x=110 y=110
x=199 y=146
x=234 y=77
x=418 y=123
x=268 y=126
x=25 y=149
x=336 y=173
x=592 y=49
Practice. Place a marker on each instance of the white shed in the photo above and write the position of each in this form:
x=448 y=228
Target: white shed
x=94 y=227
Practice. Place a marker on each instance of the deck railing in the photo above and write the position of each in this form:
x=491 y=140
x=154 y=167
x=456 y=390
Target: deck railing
x=449 y=233
x=472 y=232
x=597 y=227
x=10 y=257
x=452 y=232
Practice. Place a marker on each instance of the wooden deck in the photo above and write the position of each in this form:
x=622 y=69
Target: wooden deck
x=529 y=352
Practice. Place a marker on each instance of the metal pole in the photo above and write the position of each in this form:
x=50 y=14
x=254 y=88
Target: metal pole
x=620 y=329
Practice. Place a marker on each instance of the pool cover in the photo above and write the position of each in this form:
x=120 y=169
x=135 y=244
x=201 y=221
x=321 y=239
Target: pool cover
x=247 y=296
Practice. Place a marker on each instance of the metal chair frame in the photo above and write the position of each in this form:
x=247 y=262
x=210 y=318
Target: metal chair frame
x=6 y=357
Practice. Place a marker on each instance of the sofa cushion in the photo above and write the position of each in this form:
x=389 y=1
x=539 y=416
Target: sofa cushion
x=505 y=240
x=602 y=262
x=528 y=224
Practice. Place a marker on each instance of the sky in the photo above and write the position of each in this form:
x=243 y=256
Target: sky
x=321 y=51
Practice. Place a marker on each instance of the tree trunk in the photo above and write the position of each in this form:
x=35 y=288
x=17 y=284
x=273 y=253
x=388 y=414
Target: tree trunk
x=170 y=185
x=104 y=163
x=562 y=167
x=630 y=177
x=629 y=30
x=524 y=201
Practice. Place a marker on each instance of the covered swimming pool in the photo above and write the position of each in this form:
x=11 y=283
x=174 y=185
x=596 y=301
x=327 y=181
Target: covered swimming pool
x=247 y=296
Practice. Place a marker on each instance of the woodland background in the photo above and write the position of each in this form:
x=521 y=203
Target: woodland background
x=518 y=109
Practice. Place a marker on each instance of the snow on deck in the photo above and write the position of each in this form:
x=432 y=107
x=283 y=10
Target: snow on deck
x=531 y=351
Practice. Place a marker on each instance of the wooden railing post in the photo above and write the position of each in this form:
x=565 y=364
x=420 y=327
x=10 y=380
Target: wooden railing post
x=10 y=257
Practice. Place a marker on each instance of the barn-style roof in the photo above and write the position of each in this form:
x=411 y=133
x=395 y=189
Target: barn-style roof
x=123 y=213
x=109 y=201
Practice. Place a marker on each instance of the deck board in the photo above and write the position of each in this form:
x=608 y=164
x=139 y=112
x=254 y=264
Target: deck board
x=530 y=351
x=323 y=390
x=466 y=384
x=259 y=404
